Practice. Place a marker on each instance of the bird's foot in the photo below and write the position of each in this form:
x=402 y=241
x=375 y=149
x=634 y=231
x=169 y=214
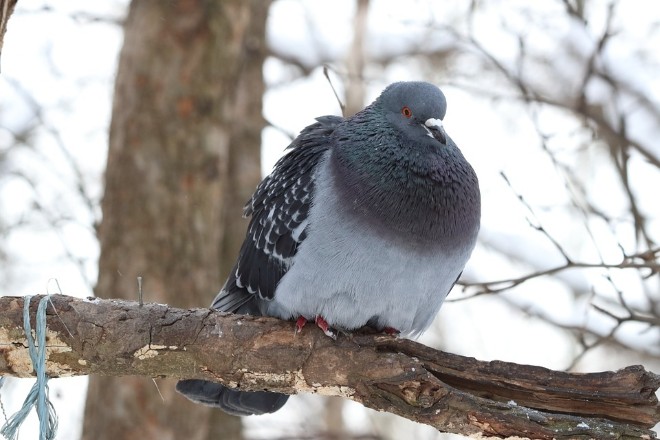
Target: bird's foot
x=320 y=322
x=323 y=325
x=300 y=323
x=391 y=331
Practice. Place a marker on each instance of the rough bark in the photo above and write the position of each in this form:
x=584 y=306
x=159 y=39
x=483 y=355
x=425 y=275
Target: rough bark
x=183 y=159
x=450 y=392
x=6 y=9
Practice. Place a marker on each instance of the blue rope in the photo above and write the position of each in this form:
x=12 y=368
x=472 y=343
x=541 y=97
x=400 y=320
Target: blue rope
x=2 y=407
x=38 y=395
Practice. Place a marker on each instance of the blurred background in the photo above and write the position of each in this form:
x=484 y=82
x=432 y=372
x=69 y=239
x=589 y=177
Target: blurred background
x=131 y=134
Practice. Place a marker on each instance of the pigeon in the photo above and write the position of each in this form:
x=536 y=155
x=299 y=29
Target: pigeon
x=367 y=220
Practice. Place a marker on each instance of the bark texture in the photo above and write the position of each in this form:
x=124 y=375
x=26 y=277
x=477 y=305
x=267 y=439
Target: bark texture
x=183 y=159
x=6 y=9
x=450 y=392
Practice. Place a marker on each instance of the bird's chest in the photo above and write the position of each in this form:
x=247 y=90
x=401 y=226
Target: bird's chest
x=402 y=198
x=352 y=274
x=353 y=279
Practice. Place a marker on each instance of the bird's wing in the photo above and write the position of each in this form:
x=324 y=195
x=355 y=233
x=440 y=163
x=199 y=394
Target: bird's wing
x=278 y=224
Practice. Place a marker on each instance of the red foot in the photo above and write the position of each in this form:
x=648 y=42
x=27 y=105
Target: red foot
x=391 y=331
x=320 y=322
x=300 y=323
x=323 y=325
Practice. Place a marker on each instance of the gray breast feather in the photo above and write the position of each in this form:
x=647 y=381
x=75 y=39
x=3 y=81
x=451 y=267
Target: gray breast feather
x=352 y=276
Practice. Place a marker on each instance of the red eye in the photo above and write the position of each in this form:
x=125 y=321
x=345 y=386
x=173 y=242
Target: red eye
x=405 y=111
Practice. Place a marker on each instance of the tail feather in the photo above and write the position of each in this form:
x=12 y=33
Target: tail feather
x=239 y=403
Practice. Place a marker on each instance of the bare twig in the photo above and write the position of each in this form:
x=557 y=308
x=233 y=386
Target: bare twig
x=537 y=223
x=636 y=261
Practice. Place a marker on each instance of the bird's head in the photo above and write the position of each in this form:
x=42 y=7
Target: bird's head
x=394 y=162
x=417 y=109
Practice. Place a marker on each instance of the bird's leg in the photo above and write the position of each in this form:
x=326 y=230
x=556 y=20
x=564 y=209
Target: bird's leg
x=323 y=325
x=320 y=322
x=300 y=323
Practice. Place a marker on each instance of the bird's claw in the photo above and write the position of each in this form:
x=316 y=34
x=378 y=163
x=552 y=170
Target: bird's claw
x=320 y=322
x=323 y=325
x=300 y=323
x=391 y=331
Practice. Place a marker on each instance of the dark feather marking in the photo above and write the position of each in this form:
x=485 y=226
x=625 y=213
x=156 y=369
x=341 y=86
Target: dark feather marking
x=271 y=243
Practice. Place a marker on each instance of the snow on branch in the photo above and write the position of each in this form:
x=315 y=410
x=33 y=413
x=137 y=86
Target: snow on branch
x=450 y=392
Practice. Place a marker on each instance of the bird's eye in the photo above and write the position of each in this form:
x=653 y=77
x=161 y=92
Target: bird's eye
x=405 y=111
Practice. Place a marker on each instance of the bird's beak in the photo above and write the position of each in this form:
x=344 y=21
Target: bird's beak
x=436 y=130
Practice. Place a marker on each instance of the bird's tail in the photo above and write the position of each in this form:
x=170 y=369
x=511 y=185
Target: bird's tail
x=239 y=403
x=234 y=402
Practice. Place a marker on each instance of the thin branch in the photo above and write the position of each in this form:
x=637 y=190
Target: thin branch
x=636 y=261
x=537 y=226
x=599 y=335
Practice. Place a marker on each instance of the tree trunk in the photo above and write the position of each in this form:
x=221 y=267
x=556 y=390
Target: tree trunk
x=356 y=60
x=183 y=158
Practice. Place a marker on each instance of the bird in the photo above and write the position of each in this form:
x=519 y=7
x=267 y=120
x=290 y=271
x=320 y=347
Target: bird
x=367 y=220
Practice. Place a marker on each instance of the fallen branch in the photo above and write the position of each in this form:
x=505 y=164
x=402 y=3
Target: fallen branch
x=452 y=393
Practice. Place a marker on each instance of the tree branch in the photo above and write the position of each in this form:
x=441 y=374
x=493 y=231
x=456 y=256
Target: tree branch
x=6 y=9
x=447 y=391
x=644 y=260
